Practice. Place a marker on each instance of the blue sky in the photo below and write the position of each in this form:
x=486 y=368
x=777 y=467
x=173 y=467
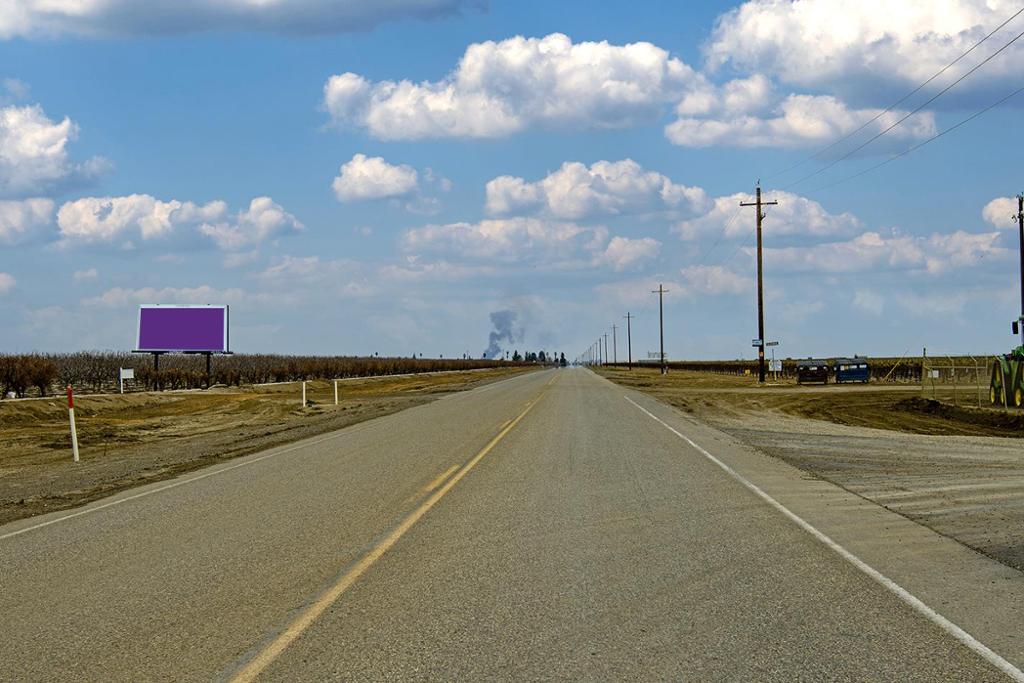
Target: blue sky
x=356 y=177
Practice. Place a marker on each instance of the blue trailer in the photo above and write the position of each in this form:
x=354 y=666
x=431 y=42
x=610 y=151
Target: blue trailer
x=852 y=370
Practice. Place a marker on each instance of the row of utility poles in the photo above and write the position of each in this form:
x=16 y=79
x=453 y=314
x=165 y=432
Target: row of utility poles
x=595 y=355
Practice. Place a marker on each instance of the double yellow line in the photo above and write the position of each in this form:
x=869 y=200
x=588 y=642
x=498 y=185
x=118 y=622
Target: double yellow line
x=265 y=657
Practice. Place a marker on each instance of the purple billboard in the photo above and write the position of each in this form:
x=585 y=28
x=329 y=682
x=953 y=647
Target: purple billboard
x=196 y=329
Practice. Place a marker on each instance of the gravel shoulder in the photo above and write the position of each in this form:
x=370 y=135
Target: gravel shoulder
x=957 y=470
x=134 y=439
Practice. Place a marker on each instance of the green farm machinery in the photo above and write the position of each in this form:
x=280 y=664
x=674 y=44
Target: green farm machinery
x=1007 y=385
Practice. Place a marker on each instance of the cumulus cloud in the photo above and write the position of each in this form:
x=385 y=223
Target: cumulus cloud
x=1001 y=212
x=869 y=301
x=862 y=46
x=798 y=121
x=120 y=297
x=33 y=153
x=576 y=191
x=715 y=280
x=87 y=274
x=7 y=283
x=21 y=220
x=142 y=217
x=794 y=215
x=933 y=254
x=499 y=88
x=509 y=240
x=623 y=252
x=130 y=17
x=363 y=178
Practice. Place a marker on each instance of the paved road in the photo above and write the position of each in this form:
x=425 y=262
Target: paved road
x=539 y=528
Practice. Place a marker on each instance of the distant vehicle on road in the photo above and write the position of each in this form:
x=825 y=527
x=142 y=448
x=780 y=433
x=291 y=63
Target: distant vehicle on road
x=852 y=370
x=812 y=370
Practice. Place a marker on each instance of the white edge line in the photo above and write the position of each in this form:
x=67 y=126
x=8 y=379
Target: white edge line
x=903 y=594
x=344 y=431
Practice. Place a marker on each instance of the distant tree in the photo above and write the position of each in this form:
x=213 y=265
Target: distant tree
x=515 y=356
x=542 y=357
x=562 y=361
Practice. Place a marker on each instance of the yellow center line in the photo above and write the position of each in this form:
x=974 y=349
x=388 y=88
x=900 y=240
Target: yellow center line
x=440 y=479
x=264 y=658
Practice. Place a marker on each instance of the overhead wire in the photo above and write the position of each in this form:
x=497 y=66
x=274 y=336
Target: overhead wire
x=902 y=99
x=908 y=115
x=922 y=143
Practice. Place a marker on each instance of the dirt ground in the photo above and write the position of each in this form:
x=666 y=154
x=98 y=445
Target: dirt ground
x=958 y=470
x=133 y=439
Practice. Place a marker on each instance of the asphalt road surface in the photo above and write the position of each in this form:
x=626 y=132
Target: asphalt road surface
x=548 y=527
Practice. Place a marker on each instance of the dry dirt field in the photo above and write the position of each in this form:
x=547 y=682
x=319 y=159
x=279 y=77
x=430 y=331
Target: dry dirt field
x=957 y=470
x=132 y=439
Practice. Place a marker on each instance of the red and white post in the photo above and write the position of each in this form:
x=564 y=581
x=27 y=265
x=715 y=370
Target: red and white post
x=71 y=416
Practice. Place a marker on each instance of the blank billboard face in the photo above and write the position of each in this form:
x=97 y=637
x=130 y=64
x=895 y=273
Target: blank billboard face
x=183 y=328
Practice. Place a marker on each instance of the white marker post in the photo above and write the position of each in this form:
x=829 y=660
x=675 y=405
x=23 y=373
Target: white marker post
x=126 y=373
x=303 y=394
x=71 y=416
x=335 y=392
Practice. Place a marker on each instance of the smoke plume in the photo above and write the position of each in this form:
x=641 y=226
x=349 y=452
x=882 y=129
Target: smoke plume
x=503 y=333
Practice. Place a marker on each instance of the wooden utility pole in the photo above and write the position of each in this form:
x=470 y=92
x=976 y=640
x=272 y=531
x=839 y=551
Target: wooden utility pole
x=760 y=282
x=661 y=291
x=629 y=339
x=1020 y=227
x=615 y=346
x=605 y=335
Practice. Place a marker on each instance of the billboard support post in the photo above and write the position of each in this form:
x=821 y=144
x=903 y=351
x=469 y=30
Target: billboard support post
x=71 y=418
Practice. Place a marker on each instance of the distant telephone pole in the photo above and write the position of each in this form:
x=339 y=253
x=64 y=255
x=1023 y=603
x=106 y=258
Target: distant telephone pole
x=629 y=339
x=660 y=291
x=615 y=346
x=760 y=282
x=605 y=335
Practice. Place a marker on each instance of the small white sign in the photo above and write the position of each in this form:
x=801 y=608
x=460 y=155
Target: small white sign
x=934 y=374
x=755 y=342
x=775 y=366
x=127 y=373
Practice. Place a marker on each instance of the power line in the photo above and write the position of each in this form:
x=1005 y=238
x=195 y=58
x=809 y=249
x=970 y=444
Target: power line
x=908 y=115
x=902 y=99
x=921 y=144
x=721 y=235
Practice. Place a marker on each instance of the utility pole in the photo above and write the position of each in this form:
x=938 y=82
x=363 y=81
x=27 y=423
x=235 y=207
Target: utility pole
x=760 y=282
x=615 y=347
x=629 y=339
x=660 y=291
x=1020 y=227
x=605 y=335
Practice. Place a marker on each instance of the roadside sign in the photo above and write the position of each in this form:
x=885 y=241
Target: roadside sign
x=771 y=343
x=126 y=373
x=755 y=342
x=775 y=366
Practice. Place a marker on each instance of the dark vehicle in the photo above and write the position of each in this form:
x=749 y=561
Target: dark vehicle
x=812 y=370
x=852 y=370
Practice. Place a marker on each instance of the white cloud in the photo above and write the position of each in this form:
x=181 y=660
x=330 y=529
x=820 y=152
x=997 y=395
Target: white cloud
x=7 y=283
x=139 y=216
x=263 y=220
x=1001 y=212
x=120 y=297
x=715 y=280
x=499 y=88
x=20 y=220
x=798 y=121
x=509 y=240
x=87 y=274
x=869 y=301
x=794 y=215
x=131 y=17
x=624 y=252
x=365 y=178
x=577 y=191
x=863 y=46
x=933 y=254
x=33 y=153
